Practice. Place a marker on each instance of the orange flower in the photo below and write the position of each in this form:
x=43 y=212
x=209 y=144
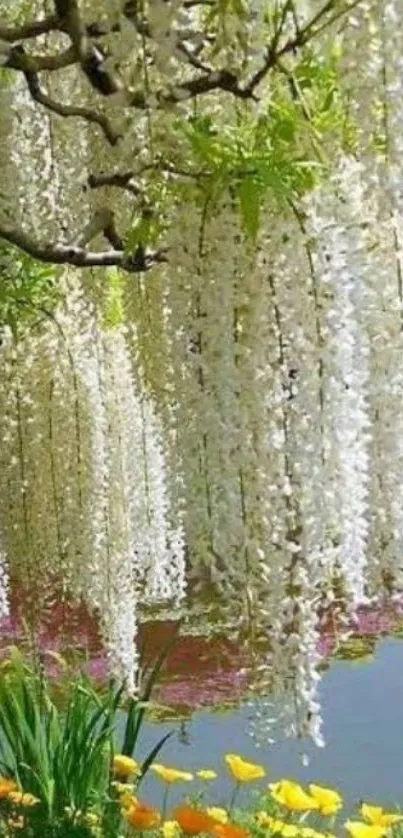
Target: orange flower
x=192 y=821
x=142 y=816
x=229 y=830
x=6 y=786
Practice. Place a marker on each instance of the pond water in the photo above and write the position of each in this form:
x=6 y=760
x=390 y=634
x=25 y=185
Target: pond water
x=363 y=726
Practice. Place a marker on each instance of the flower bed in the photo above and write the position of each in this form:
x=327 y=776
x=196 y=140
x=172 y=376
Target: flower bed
x=63 y=777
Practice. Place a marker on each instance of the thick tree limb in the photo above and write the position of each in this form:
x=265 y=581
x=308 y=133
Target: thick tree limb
x=29 y=30
x=39 y=95
x=88 y=56
x=79 y=257
x=18 y=59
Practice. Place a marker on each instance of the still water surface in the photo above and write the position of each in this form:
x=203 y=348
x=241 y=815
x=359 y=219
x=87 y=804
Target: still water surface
x=363 y=726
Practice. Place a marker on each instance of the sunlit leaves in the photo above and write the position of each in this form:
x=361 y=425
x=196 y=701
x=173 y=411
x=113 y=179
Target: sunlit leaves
x=27 y=289
x=114 y=308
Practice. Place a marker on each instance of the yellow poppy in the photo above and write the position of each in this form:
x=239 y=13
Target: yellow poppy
x=292 y=796
x=124 y=766
x=377 y=817
x=122 y=788
x=23 y=799
x=91 y=819
x=263 y=818
x=170 y=775
x=218 y=814
x=242 y=771
x=206 y=774
x=170 y=829
x=329 y=801
x=125 y=792
x=289 y=830
x=276 y=826
x=127 y=799
x=357 y=829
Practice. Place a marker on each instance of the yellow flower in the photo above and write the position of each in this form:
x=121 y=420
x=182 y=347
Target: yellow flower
x=263 y=818
x=292 y=796
x=170 y=829
x=307 y=832
x=329 y=801
x=377 y=817
x=218 y=814
x=206 y=774
x=127 y=799
x=91 y=819
x=16 y=823
x=124 y=766
x=125 y=792
x=171 y=775
x=242 y=771
x=289 y=830
x=276 y=826
x=23 y=799
x=357 y=829
x=121 y=788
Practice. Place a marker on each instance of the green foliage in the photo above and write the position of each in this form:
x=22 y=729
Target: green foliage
x=274 y=157
x=27 y=290
x=114 y=305
x=63 y=756
x=136 y=709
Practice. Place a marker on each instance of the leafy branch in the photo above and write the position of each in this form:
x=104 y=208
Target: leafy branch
x=198 y=71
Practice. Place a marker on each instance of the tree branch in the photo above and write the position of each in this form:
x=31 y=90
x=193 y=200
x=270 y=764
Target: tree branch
x=206 y=83
x=29 y=30
x=39 y=95
x=123 y=180
x=18 y=59
x=303 y=34
x=87 y=55
x=79 y=257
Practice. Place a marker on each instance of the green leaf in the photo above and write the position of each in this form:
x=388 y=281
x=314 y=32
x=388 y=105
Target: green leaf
x=153 y=753
x=249 y=199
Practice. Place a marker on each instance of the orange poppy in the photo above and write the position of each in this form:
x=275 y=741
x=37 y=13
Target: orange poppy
x=229 y=830
x=192 y=821
x=6 y=786
x=142 y=816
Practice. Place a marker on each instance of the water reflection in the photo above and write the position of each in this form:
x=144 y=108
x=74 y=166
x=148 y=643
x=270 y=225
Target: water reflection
x=205 y=668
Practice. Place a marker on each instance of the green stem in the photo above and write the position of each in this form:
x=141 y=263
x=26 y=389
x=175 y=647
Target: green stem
x=234 y=794
x=164 y=801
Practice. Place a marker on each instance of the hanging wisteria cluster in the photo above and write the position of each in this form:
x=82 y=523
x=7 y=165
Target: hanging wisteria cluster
x=232 y=418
